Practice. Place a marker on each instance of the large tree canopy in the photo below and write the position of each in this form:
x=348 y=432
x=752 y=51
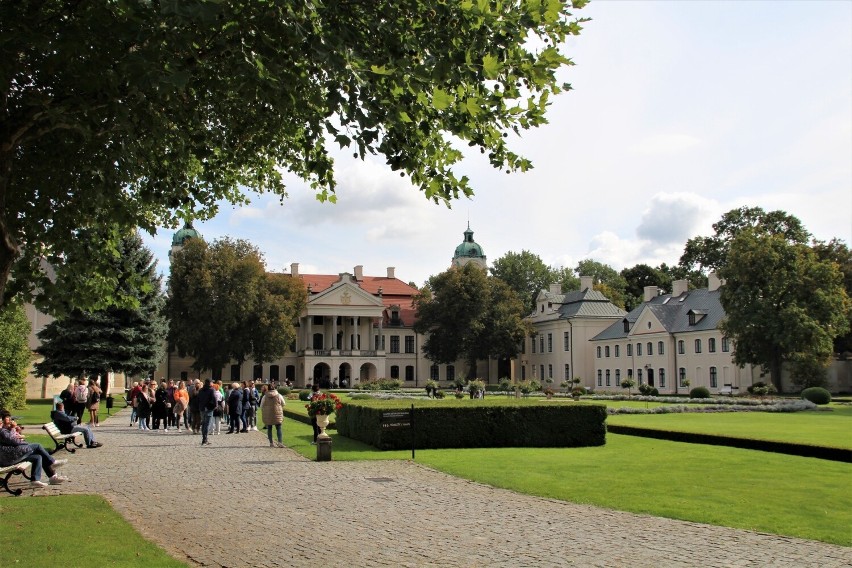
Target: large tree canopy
x=782 y=303
x=468 y=315
x=711 y=253
x=223 y=305
x=143 y=112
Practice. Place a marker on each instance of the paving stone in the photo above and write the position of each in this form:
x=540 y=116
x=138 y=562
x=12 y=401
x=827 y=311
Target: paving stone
x=240 y=503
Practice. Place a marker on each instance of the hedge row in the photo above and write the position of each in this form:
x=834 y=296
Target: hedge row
x=478 y=427
x=804 y=450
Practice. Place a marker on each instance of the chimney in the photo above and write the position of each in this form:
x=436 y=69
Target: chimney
x=679 y=287
x=359 y=272
x=714 y=282
x=651 y=292
x=586 y=283
x=391 y=270
x=556 y=288
x=294 y=269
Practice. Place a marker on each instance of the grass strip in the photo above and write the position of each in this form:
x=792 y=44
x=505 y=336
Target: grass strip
x=105 y=538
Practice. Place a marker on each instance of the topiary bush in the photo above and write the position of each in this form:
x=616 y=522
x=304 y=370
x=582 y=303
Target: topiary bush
x=304 y=395
x=699 y=392
x=817 y=395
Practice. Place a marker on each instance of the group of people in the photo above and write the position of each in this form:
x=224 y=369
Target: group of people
x=203 y=407
x=78 y=397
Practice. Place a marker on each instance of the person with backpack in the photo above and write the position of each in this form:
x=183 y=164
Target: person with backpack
x=81 y=398
x=235 y=408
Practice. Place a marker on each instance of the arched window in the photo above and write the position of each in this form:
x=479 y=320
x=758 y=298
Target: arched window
x=606 y=351
x=607 y=377
x=600 y=378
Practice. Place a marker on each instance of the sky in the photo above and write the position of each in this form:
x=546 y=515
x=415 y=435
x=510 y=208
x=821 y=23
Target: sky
x=680 y=111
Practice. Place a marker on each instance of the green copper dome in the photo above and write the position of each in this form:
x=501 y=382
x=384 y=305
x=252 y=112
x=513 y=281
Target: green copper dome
x=469 y=248
x=187 y=232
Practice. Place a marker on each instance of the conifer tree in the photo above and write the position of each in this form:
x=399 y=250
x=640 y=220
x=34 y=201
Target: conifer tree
x=127 y=339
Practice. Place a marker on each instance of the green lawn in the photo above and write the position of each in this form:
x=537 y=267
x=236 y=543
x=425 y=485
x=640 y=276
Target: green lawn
x=36 y=412
x=103 y=538
x=831 y=427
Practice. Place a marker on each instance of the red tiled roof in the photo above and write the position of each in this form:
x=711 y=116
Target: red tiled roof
x=395 y=292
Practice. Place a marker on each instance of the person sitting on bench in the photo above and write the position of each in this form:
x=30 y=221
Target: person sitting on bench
x=15 y=449
x=68 y=425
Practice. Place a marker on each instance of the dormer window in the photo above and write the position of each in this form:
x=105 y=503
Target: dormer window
x=696 y=316
x=626 y=325
x=394 y=315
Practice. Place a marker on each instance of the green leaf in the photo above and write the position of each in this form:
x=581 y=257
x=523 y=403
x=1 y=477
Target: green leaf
x=381 y=70
x=490 y=66
x=441 y=99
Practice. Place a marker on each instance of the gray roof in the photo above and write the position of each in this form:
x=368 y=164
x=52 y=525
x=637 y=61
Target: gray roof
x=586 y=303
x=673 y=313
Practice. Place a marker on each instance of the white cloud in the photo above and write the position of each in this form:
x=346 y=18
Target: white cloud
x=665 y=144
x=675 y=217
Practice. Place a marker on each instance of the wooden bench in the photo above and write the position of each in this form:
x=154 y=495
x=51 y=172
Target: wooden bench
x=15 y=469
x=62 y=440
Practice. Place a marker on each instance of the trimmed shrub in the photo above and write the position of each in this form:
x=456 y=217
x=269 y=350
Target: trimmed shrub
x=304 y=395
x=483 y=426
x=699 y=392
x=762 y=389
x=817 y=395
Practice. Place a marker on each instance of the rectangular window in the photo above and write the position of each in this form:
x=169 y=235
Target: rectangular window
x=550 y=371
x=639 y=375
x=409 y=372
x=566 y=341
x=638 y=349
x=532 y=342
x=541 y=368
x=434 y=374
x=682 y=376
x=629 y=373
x=600 y=378
x=523 y=372
x=618 y=376
x=630 y=350
x=409 y=344
x=394 y=371
x=394 y=344
x=541 y=343
x=726 y=346
x=599 y=351
x=376 y=342
x=680 y=348
x=550 y=343
x=662 y=378
x=606 y=351
x=661 y=348
x=713 y=378
x=650 y=348
x=617 y=350
x=698 y=346
x=607 y=377
x=451 y=372
x=711 y=345
x=533 y=368
x=567 y=372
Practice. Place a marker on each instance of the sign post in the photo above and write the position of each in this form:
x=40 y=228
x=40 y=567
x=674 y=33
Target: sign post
x=395 y=419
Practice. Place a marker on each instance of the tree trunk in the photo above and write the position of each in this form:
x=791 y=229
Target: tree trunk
x=9 y=250
x=775 y=370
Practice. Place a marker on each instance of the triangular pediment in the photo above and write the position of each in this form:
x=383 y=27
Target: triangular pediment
x=647 y=322
x=345 y=293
